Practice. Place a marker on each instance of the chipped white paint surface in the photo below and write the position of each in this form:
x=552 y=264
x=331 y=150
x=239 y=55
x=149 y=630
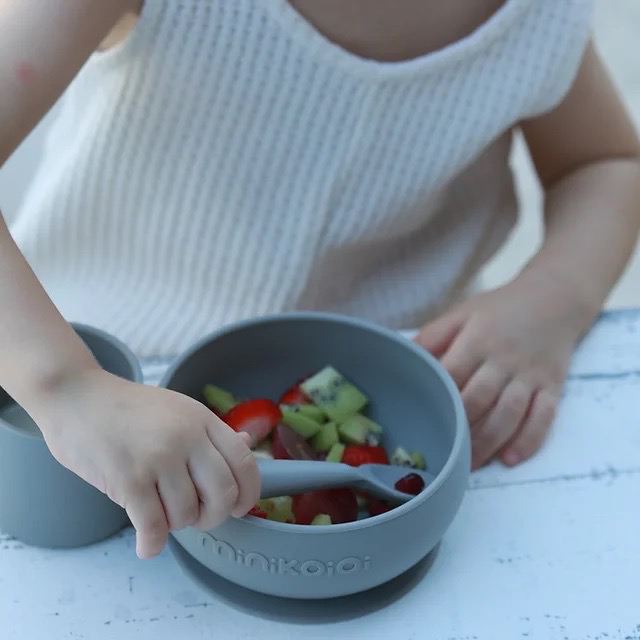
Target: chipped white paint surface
x=549 y=550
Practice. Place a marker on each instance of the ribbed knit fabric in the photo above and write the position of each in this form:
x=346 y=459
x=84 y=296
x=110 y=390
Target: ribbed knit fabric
x=227 y=161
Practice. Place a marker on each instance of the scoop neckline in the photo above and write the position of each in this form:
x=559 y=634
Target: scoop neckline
x=322 y=46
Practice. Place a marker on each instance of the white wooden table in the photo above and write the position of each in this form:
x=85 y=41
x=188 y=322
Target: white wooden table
x=549 y=550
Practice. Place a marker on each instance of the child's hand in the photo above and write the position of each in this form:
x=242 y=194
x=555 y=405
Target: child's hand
x=164 y=457
x=508 y=351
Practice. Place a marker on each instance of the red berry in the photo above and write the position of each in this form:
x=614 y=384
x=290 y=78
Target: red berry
x=411 y=483
x=339 y=504
x=356 y=454
x=287 y=444
x=257 y=512
x=294 y=395
x=278 y=449
x=376 y=507
x=256 y=417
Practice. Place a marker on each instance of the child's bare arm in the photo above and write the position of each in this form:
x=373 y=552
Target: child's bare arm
x=43 y=45
x=587 y=155
x=509 y=349
x=164 y=457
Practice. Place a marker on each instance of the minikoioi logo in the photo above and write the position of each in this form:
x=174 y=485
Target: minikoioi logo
x=283 y=566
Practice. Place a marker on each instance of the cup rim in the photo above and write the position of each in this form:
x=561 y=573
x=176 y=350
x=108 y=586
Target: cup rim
x=116 y=343
x=461 y=425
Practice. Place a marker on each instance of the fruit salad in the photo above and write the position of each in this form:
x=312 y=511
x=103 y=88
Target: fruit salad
x=319 y=418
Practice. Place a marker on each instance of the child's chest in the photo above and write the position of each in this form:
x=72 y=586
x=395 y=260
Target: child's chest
x=399 y=30
x=375 y=29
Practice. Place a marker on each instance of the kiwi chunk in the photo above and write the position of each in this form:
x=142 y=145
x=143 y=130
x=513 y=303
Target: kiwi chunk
x=335 y=453
x=362 y=430
x=278 y=509
x=401 y=458
x=418 y=461
x=372 y=426
x=332 y=392
x=321 y=519
x=326 y=437
x=313 y=412
x=353 y=432
x=305 y=426
x=307 y=410
x=219 y=399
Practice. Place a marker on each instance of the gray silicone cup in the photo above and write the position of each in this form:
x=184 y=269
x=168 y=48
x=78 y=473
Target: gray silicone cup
x=412 y=397
x=41 y=502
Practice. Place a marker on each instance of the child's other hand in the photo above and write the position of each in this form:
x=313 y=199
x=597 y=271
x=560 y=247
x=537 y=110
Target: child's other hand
x=164 y=457
x=508 y=351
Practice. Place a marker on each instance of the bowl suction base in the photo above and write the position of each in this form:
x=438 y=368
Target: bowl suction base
x=297 y=610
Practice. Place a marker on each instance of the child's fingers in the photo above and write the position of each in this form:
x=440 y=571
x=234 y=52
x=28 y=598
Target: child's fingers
x=482 y=391
x=531 y=435
x=179 y=498
x=246 y=438
x=216 y=486
x=437 y=336
x=461 y=361
x=242 y=464
x=147 y=515
x=501 y=423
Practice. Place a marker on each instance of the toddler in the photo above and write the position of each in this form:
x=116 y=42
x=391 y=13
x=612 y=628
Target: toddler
x=220 y=159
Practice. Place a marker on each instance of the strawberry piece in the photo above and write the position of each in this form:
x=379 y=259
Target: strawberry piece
x=376 y=507
x=257 y=512
x=256 y=417
x=294 y=395
x=356 y=454
x=339 y=504
x=411 y=483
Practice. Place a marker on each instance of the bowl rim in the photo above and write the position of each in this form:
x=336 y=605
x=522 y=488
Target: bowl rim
x=461 y=425
x=112 y=341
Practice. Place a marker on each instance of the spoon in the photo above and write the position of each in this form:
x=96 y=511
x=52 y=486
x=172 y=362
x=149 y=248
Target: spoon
x=286 y=477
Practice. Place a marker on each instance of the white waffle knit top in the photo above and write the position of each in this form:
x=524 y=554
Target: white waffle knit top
x=228 y=161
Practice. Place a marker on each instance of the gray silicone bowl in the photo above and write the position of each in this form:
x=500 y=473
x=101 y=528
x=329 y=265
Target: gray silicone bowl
x=412 y=397
x=41 y=502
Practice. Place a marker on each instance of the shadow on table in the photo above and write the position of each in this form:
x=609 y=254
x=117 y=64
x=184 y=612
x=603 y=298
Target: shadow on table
x=301 y=611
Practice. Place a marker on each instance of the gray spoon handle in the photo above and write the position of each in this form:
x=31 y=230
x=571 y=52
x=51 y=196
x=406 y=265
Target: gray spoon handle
x=300 y=476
